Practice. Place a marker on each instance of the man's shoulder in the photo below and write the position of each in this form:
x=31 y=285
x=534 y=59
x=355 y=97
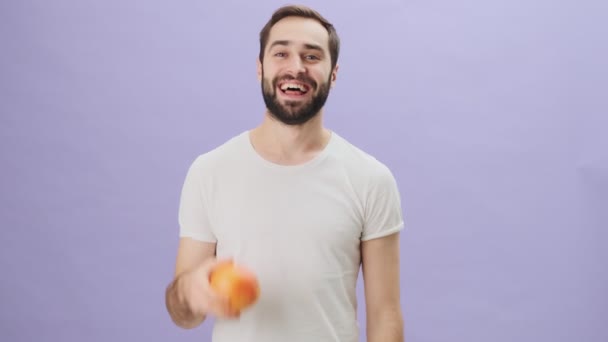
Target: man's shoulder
x=229 y=151
x=369 y=177
x=359 y=160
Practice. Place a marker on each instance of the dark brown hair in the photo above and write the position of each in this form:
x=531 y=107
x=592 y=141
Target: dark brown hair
x=304 y=12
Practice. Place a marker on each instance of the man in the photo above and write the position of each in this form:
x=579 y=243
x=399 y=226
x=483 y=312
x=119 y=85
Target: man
x=295 y=203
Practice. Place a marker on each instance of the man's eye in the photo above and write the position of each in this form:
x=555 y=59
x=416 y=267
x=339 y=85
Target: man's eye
x=280 y=54
x=312 y=57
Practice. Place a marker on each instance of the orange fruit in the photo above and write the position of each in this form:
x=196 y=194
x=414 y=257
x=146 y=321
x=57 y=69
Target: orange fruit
x=235 y=282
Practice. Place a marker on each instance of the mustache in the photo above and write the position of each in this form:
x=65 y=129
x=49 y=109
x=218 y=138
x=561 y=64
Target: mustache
x=300 y=78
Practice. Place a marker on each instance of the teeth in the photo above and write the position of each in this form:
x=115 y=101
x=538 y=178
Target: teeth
x=285 y=86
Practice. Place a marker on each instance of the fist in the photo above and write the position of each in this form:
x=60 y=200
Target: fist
x=235 y=283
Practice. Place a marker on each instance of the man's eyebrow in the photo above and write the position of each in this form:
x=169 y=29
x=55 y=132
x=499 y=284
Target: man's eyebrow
x=287 y=42
x=314 y=47
x=279 y=42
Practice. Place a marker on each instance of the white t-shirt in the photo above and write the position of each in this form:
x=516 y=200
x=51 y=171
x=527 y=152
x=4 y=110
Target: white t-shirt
x=298 y=228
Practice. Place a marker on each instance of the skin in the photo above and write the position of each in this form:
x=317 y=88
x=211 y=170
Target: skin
x=294 y=144
x=188 y=297
x=380 y=265
x=289 y=54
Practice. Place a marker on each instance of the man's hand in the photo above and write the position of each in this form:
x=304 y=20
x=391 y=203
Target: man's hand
x=189 y=298
x=199 y=297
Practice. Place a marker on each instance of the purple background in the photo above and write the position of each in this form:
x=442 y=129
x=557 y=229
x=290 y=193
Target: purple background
x=491 y=114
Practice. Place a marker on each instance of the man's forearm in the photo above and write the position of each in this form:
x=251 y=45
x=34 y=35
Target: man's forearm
x=178 y=308
x=386 y=327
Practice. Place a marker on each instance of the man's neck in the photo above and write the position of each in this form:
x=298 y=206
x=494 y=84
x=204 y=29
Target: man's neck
x=289 y=144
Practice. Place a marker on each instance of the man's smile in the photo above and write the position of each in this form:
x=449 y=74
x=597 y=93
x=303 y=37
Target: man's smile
x=293 y=89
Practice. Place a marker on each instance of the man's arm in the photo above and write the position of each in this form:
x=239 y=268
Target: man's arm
x=380 y=265
x=191 y=257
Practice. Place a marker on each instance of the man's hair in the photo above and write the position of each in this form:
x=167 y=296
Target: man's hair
x=303 y=12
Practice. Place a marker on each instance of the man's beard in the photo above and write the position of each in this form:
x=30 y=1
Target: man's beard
x=294 y=112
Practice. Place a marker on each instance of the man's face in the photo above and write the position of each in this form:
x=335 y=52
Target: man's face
x=296 y=73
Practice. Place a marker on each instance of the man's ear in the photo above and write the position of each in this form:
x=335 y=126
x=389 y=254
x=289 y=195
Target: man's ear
x=334 y=75
x=259 y=69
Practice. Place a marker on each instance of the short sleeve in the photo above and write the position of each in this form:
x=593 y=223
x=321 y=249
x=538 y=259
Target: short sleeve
x=383 y=213
x=193 y=215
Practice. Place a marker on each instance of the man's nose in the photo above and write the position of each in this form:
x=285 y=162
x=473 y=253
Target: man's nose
x=296 y=65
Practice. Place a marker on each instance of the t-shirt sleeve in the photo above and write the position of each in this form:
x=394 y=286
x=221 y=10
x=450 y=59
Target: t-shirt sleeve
x=383 y=213
x=193 y=216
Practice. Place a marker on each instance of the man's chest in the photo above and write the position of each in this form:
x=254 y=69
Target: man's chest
x=321 y=210
x=301 y=237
